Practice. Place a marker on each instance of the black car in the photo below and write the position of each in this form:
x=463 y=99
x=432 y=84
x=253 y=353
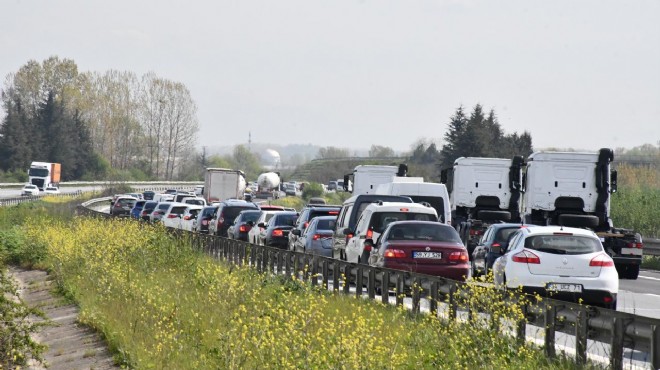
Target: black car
x=278 y=228
x=306 y=215
x=226 y=214
x=148 y=207
x=204 y=218
x=242 y=225
x=491 y=246
x=148 y=195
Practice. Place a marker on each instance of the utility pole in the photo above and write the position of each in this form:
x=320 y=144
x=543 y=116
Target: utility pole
x=249 y=140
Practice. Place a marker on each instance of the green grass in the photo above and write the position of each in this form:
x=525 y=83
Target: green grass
x=651 y=262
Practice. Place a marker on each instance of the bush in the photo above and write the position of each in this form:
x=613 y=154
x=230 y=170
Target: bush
x=312 y=190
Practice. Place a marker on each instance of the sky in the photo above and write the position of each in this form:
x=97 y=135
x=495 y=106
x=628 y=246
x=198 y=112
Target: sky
x=354 y=73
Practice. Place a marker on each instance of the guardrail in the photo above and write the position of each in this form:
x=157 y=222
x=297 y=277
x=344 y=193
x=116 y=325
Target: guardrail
x=618 y=329
x=651 y=247
x=31 y=198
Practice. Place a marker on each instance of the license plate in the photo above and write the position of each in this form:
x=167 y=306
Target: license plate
x=435 y=255
x=561 y=287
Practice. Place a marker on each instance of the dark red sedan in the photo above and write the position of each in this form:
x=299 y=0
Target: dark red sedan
x=424 y=247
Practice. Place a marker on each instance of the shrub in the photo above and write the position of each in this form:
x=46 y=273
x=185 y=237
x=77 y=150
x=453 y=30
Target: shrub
x=312 y=190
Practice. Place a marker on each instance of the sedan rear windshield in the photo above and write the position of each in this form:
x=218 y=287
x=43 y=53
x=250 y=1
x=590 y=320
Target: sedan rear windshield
x=436 y=233
x=150 y=205
x=178 y=210
x=503 y=234
x=325 y=224
x=380 y=220
x=285 y=220
x=230 y=213
x=563 y=244
x=250 y=216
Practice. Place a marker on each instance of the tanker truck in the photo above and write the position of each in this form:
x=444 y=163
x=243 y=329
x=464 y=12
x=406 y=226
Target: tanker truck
x=268 y=185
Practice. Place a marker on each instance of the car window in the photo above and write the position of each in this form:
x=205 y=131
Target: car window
x=514 y=240
x=380 y=220
x=426 y=232
x=230 y=213
x=361 y=224
x=563 y=244
x=503 y=234
x=325 y=224
x=178 y=210
x=250 y=216
x=345 y=212
x=285 y=220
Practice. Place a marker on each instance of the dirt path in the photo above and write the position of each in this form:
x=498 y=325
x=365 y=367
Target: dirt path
x=70 y=345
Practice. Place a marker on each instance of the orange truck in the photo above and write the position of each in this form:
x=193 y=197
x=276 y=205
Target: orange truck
x=43 y=174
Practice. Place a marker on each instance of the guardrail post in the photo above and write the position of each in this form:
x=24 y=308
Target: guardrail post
x=550 y=315
x=433 y=299
x=521 y=326
x=371 y=284
x=385 y=287
x=581 y=337
x=358 y=282
x=336 y=275
x=416 y=288
x=347 y=278
x=253 y=256
x=314 y=271
x=655 y=347
x=280 y=262
x=616 y=347
x=287 y=263
x=325 y=272
x=400 y=286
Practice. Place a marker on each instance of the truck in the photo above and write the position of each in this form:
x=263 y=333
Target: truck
x=222 y=184
x=43 y=174
x=365 y=178
x=574 y=189
x=483 y=191
x=434 y=194
x=268 y=185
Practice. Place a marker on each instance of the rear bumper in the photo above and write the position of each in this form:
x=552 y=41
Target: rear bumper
x=280 y=242
x=627 y=260
x=588 y=296
x=455 y=272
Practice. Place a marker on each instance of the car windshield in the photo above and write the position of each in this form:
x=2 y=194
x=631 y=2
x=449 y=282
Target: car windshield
x=38 y=172
x=426 y=232
x=285 y=220
x=563 y=244
x=380 y=220
x=178 y=210
x=125 y=201
x=230 y=213
x=150 y=205
x=503 y=234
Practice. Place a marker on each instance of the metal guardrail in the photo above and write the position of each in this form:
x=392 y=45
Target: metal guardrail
x=618 y=329
x=31 y=198
x=651 y=247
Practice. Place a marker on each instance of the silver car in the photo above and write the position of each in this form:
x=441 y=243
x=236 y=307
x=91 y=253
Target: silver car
x=317 y=237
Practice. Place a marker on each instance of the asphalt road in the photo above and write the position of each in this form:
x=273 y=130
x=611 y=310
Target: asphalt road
x=641 y=296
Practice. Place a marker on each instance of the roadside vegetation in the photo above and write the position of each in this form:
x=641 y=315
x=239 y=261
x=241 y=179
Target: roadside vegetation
x=636 y=205
x=161 y=304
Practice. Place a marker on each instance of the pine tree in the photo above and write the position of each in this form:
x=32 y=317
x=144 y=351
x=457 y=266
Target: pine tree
x=456 y=129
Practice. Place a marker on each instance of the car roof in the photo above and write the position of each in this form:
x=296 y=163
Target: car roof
x=558 y=230
x=395 y=206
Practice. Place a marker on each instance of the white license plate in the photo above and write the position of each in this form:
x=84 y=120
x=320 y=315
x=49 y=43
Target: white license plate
x=561 y=287
x=434 y=255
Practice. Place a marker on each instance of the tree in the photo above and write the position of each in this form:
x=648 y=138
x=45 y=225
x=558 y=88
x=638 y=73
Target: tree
x=452 y=148
x=332 y=152
x=381 y=151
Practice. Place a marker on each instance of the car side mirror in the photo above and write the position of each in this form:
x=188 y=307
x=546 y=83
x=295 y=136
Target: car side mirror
x=295 y=232
x=261 y=224
x=347 y=231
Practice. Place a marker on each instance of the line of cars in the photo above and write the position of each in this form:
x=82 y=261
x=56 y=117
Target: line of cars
x=394 y=232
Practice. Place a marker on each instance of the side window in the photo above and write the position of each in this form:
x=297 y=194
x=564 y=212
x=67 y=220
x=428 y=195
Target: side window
x=308 y=228
x=486 y=236
x=362 y=222
x=514 y=241
x=342 y=220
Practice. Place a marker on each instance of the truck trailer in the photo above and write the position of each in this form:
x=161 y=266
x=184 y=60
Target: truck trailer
x=222 y=184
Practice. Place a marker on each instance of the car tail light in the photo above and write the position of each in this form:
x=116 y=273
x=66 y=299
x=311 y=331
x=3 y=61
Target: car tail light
x=370 y=234
x=526 y=257
x=461 y=256
x=171 y=215
x=186 y=217
x=144 y=213
x=474 y=232
x=243 y=229
x=394 y=253
x=332 y=213
x=221 y=221
x=278 y=232
x=634 y=245
x=316 y=237
x=601 y=260
x=305 y=225
x=607 y=299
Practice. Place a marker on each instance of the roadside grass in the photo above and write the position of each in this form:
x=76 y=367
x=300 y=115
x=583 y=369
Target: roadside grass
x=298 y=202
x=651 y=262
x=160 y=304
x=636 y=204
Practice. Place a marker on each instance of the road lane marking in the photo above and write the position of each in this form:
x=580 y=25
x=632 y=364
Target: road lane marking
x=648 y=278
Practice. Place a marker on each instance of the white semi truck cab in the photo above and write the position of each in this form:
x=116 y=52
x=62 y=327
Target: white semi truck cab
x=366 y=178
x=573 y=189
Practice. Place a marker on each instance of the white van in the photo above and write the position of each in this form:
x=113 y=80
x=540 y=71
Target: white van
x=419 y=191
x=375 y=219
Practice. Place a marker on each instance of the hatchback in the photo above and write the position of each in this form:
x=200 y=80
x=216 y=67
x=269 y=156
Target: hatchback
x=424 y=247
x=30 y=189
x=172 y=216
x=122 y=206
x=242 y=225
x=307 y=214
x=559 y=262
x=316 y=237
x=278 y=228
x=227 y=212
x=51 y=190
x=204 y=218
x=158 y=212
x=148 y=194
x=136 y=211
x=491 y=246
x=147 y=209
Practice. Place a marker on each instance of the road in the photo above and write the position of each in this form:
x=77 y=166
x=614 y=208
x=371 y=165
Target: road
x=641 y=296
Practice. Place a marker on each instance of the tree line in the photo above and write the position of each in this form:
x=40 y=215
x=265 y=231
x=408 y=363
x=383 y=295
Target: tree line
x=98 y=125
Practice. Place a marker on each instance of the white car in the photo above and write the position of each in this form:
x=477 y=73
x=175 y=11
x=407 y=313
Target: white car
x=30 y=189
x=187 y=220
x=195 y=201
x=374 y=220
x=51 y=190
x=173 y=215
x=560 y=262
x=257 y=233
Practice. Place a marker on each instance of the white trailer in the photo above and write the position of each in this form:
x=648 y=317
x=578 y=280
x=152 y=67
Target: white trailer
x=365 y=178
x=222 y=184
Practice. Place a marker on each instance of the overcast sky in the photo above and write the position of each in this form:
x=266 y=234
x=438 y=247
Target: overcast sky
x=349 y=73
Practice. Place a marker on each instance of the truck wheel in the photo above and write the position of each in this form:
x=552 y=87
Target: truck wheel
x=630 y=272
x=578 y=221
x=494 y=215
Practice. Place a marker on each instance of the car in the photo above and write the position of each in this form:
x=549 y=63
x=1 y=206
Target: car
x=316 y=200
x=257 y=234
x=277 y=229
x=181 y=195
x=199 y=190
x=240 y=228
x=148 y=194
x=332 y=185
x=227 y=212
x=306 y=215
x=424 y=247
x=51 y=190
x=173 y=214
x=30 y=189
x=491 y=246
x=157 y=214
x=187 y=221
x=316 y=237
x=350 y=212
x=194 y=200
x=204 y=217
x=170 y=191
x=135 y=195
x=122 y=206
x=148 y=207
x=374 y=220
x=290 y=189
x=559 y=262
x=136 y=211
x=270 y=207
x=164 y=197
